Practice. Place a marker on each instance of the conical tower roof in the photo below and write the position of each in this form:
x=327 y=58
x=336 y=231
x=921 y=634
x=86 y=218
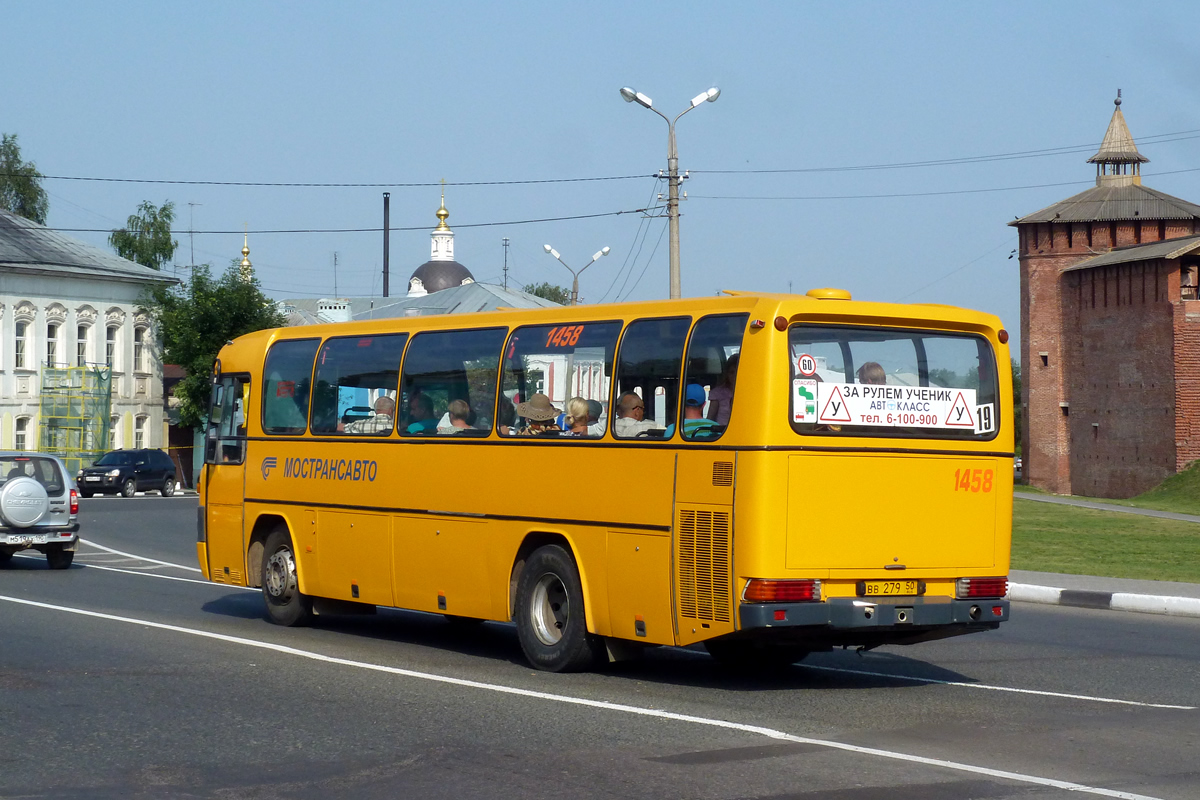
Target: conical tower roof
x=1118 y=146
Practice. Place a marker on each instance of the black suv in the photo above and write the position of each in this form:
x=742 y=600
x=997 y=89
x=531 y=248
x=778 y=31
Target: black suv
x=128 y=471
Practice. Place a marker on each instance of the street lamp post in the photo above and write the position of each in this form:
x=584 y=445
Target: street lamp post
x=709 y=96
x=575 y=274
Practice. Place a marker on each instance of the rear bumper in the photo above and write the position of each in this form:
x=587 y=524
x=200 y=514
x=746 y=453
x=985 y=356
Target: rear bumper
x=894 y=615
x=38 y=537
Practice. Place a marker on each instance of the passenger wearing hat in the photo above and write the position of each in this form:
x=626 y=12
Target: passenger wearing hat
x=539 y=414
x=694 y=423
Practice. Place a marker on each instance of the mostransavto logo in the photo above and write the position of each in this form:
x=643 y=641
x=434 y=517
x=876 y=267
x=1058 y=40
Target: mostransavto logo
x=269 y=463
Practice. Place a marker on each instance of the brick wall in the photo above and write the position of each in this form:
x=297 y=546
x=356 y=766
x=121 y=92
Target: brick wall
x=1120 y=378
x=1187 y=382
x=1083 y=344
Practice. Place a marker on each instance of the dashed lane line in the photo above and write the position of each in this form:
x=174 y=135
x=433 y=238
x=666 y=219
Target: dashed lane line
x=769 y=733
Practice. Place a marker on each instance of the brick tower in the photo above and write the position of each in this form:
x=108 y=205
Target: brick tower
x=1110 y=331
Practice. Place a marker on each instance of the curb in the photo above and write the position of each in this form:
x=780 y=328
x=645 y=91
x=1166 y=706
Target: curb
x=1116 y=601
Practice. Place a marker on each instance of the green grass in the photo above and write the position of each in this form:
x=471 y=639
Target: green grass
x=1179 y=493
x=1056 y=538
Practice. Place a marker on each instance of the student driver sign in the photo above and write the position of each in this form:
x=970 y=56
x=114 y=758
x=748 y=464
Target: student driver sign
x=825 y=403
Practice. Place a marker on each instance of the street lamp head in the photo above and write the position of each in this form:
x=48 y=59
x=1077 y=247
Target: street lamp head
x=710 y=96
x=605 y=250
x=600 y=253
x=547 y=248
x=631 y=95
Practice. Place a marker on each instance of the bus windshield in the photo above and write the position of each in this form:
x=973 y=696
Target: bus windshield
x=859 y=381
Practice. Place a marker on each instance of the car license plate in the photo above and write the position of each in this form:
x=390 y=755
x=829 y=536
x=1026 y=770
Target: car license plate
x=14 y=538
x=887 y=588
x=91 y=477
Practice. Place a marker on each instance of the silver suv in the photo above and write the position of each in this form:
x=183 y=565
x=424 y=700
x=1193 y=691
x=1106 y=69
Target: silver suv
x=39 y=508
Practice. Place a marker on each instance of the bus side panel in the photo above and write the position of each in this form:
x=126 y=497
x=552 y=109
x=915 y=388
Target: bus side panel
x=639 y=587
x=353 y=556
x=442 y=565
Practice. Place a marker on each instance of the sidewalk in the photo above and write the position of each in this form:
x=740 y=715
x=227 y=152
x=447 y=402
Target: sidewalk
x=1119 y=594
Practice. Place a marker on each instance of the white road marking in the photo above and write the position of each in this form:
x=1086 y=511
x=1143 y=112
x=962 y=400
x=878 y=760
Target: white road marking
x=90 y=543
x=996 y=688
x=769 y=733
x=168 y=577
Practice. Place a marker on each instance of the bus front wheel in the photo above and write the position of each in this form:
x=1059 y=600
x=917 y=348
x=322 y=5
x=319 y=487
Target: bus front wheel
x=550 y=618
x=285 y=604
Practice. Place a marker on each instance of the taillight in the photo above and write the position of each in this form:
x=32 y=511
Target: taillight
x=74 y=502
x=759 y=590
x=981 y=587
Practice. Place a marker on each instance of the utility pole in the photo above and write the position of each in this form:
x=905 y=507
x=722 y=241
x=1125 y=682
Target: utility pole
x=335 y=294
x=575 y=272
x=505 y=240
x=673 y=177
x=387 y=232
x=192 y=230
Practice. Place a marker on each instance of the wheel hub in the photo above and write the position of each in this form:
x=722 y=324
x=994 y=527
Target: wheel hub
x=280 y=579
x=550 y=609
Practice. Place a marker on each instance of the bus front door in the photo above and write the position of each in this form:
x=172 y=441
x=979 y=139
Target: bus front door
x=225 y=481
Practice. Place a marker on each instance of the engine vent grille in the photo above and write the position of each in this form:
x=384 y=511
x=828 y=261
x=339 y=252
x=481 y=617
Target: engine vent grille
x=704 y=565
x=722 y=473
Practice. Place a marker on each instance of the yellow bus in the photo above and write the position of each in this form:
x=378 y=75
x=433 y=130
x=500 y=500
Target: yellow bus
x=768 y=475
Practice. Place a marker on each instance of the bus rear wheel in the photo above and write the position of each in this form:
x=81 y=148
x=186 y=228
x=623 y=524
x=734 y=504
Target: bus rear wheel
x=281 y=591
x=550 y=619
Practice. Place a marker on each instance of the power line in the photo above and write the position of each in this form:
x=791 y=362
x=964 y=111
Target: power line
x=377 y=230
x=1161 y=138
x=921 y=194
x=313 y=185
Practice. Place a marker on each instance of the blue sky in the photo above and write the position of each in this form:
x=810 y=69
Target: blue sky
x=412 y=93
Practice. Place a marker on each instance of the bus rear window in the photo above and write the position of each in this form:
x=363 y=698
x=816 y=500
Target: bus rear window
x=888 y=382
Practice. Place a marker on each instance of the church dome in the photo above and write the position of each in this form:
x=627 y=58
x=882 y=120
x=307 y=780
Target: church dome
x=437 y=275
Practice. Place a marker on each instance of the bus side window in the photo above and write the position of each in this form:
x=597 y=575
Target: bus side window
x=558 y=362
x=715 y=340
x=355 y=384
x=441 y=368
x=648 y=370
x=287 y=378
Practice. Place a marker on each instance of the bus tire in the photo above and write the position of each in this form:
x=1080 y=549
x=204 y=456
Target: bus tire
x=742 y=654
x=550 y=620
x=281 y=591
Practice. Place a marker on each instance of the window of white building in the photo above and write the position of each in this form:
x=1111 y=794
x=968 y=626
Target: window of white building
x=19 y=345
x=114 y=430
x=139 y=432
x=20 y=433
x=110 y=346
x=81 y=345
x=52 y=344
x=139 y=350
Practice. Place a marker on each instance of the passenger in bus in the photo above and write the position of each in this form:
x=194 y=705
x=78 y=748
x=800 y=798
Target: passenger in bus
x=577 y=417
x=695 y=425
x=421 y=418
x=871 y=372
x=595 y=418
x=460 y=414
x=539 y=415
x=506 y=417
x=720 y=399
x=631 y=417
x=381 y=422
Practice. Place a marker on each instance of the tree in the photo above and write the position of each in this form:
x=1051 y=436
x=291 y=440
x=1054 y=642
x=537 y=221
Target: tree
x=197 y=318
x=146 y=237
x=548 y=291
x=21 y=189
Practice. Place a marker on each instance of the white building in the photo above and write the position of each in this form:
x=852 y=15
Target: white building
x=66 y=304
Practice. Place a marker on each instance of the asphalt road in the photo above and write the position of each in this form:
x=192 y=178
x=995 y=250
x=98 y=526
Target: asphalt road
x=123 y=678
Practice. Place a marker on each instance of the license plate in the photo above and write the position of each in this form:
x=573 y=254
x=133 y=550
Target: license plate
x=17 y=539
x=91 y=478
x=887 y=588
